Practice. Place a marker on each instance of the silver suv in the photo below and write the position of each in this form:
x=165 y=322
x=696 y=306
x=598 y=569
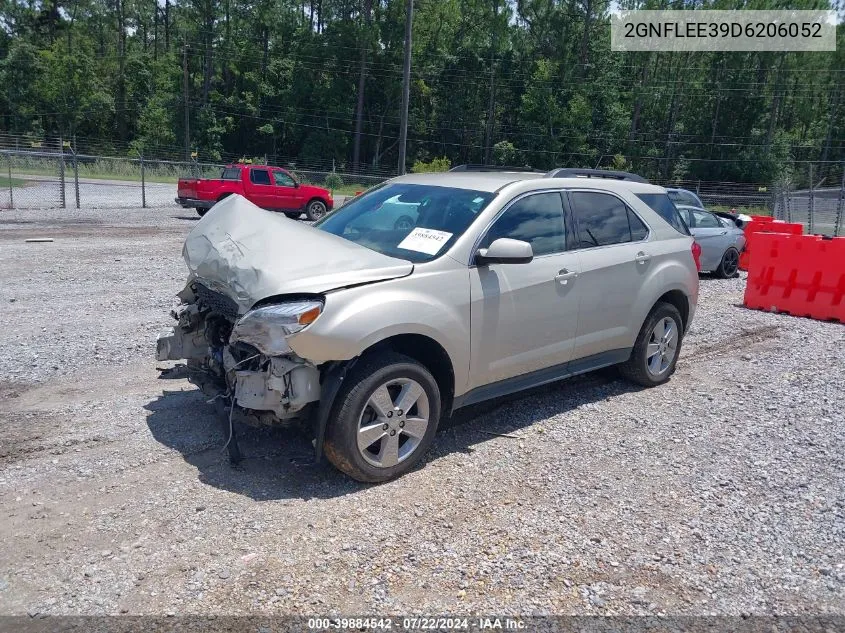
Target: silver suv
x=429 y=293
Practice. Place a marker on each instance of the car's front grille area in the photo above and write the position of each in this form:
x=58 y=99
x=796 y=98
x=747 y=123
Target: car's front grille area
x=216 y=302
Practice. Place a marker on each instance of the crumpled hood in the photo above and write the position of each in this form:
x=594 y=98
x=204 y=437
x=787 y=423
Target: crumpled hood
x=250 y=254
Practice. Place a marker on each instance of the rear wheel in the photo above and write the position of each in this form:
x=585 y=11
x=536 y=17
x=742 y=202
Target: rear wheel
x=657 y=348
x=201 y=211
x=315 y=210
x=729 y=264
x=384 y=419
x=293 y=215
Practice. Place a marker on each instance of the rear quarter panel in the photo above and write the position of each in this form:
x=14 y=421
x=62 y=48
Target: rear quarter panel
x=213 y=189
x=672 y=267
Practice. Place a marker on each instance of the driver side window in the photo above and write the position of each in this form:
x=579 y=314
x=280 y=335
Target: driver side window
x=536 y=219
x=282 y=179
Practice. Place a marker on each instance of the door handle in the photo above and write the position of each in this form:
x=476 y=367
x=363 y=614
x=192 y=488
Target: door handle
x=565 y=275
x=641 y=258
x=723 y=233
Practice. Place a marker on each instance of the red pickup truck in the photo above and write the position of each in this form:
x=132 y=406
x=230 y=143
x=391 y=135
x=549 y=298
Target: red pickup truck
x=271 y=188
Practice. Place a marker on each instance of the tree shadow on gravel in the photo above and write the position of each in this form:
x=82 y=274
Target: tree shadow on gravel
x=278 y=463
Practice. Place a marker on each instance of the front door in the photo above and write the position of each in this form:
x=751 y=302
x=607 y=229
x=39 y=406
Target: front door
x=524 y=316
x=286 y=191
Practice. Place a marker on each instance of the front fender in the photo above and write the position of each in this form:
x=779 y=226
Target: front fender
x=434 y=304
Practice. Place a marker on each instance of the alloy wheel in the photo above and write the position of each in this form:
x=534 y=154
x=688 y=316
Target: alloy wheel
x=730 y=263
x=393 y=422
x=662 y=346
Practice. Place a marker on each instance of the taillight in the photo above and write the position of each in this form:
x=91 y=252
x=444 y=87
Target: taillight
x=696 y=255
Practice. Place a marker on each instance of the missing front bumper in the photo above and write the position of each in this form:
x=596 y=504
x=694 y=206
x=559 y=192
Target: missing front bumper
x=280 y=385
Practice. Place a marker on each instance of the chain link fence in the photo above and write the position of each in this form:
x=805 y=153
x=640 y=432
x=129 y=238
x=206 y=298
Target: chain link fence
x=819 y=206
x=813 y=194
x=64 y=179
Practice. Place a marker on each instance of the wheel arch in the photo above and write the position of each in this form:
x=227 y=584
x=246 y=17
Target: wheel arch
x=317 y=199
x=678 y=299
x=429 y=353
x=424 y=349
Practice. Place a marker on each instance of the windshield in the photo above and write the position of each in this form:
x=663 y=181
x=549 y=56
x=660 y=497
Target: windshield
x=412 y=222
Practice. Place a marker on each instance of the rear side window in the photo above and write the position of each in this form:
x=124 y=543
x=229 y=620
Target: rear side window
x=604 y=220
x=231 y=173
x=704 y=220
x=536 y=219
x=639 y=231
x=259 y=176
x=663 y=206
x=684 y=197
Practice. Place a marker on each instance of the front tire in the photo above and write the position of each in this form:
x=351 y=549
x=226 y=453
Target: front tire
x=201 y=211
x=293 y=215
x=729 y=264
x=658 y=346
x=384 y=418
x=315 y=210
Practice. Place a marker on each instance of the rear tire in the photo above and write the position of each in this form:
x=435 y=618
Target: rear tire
x=201 y=211
x=293 y=215
x=658 y=346
x=357 y=442
x=729 y=265
x=315 y=210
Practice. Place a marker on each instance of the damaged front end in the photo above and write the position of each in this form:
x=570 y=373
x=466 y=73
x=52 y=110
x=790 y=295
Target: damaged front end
x=245 y=358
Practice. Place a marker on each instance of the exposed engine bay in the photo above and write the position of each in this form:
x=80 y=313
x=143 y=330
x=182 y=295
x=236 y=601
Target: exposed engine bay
x=242 y=359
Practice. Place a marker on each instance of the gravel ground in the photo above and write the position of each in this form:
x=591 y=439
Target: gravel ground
x=721 y=492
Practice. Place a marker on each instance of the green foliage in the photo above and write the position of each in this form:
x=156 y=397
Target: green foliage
x=504 y=153
x=281 y=79
x=333 y=181
x=620 y=163
x=435 y=164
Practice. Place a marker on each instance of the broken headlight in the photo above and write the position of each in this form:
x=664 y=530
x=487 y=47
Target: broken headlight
x=267 y=328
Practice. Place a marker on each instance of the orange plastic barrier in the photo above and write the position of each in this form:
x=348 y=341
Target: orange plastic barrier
x=803 y=275
x=764 y=224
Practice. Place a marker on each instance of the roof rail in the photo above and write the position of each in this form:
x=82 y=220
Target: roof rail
x=473 y=167
x=565 y=172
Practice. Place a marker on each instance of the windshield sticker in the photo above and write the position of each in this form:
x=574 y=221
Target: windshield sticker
x=426 y=241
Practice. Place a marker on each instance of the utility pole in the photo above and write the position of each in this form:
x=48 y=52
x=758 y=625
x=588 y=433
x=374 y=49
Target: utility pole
x=491 y=103
x=406 y=86
x=185 y=91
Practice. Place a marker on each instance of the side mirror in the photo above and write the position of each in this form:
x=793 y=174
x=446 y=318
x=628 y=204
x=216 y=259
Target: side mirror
x=505 y=251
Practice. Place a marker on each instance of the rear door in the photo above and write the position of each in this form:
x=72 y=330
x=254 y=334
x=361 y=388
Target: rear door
x=524 y=316
x=260 y=189
x=713 y=237
x=615 y=255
